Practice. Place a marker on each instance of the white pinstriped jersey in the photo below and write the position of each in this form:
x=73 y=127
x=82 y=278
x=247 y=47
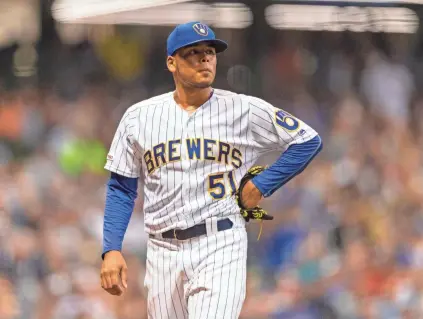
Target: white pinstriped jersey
x=190 y=164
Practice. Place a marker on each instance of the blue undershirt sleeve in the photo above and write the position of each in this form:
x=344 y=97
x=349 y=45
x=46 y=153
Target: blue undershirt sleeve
x=120 y=201
x=291 y=163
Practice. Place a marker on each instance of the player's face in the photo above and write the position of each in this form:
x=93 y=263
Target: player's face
x=195 y=66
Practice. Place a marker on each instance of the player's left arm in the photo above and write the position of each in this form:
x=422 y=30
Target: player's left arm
x=274 y=129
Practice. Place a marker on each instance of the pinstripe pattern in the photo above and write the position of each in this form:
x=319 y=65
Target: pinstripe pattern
x=201 y=277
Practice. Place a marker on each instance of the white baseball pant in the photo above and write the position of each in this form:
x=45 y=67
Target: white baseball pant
x=199 y=278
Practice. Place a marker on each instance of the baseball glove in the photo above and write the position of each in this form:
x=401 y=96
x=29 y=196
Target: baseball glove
x=255 y=213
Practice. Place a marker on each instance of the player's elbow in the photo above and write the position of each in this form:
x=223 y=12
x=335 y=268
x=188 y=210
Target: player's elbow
x=311 y=147
x=307 y=151
x=319 y=144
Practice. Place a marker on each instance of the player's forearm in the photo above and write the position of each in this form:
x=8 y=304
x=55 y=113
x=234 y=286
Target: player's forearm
x=291 y=163
x=120 y=199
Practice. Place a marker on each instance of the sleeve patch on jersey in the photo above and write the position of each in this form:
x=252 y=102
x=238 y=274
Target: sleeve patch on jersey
x=110 y=157
x=287 y=121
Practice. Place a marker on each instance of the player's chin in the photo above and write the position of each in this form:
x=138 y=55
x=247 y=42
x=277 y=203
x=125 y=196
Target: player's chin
x=203 y=85
x=204 y=79
x=204 y=82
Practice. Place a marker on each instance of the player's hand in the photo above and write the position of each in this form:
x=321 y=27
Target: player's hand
x=251 y=196
x=248 y=196
x=114 y=273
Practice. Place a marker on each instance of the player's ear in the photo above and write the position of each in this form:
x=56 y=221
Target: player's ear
x=171 y=63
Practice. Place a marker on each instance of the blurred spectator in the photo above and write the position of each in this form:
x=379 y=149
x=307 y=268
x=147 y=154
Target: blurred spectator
x=388 y=86
x=9 y=305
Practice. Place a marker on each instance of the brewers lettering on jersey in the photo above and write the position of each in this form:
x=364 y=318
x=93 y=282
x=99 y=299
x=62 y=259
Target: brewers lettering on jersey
x=190 y=148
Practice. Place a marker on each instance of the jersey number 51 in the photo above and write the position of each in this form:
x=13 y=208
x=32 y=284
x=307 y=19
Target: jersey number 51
x=218 y=182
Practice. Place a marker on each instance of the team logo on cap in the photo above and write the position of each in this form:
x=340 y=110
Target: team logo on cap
x=201 y=29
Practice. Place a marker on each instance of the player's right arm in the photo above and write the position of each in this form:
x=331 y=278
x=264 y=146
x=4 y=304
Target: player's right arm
x=124 y=165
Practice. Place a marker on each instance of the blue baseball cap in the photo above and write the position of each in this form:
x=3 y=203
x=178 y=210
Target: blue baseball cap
x=190 y=33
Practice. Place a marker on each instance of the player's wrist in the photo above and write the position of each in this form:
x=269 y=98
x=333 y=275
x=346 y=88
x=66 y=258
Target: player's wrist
x=111 y=252
x=251 y=195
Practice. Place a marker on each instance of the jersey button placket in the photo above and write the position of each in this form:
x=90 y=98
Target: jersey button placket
x=186 y=163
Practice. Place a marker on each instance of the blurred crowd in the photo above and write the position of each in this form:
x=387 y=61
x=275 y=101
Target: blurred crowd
x=347 y=239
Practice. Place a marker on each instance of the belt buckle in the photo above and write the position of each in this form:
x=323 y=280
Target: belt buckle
x=174 y=234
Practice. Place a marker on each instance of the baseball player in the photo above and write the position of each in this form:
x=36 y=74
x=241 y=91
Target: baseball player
x=193 y=149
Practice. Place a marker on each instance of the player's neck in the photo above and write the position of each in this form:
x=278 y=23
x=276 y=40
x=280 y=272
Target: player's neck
x=192 y=98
